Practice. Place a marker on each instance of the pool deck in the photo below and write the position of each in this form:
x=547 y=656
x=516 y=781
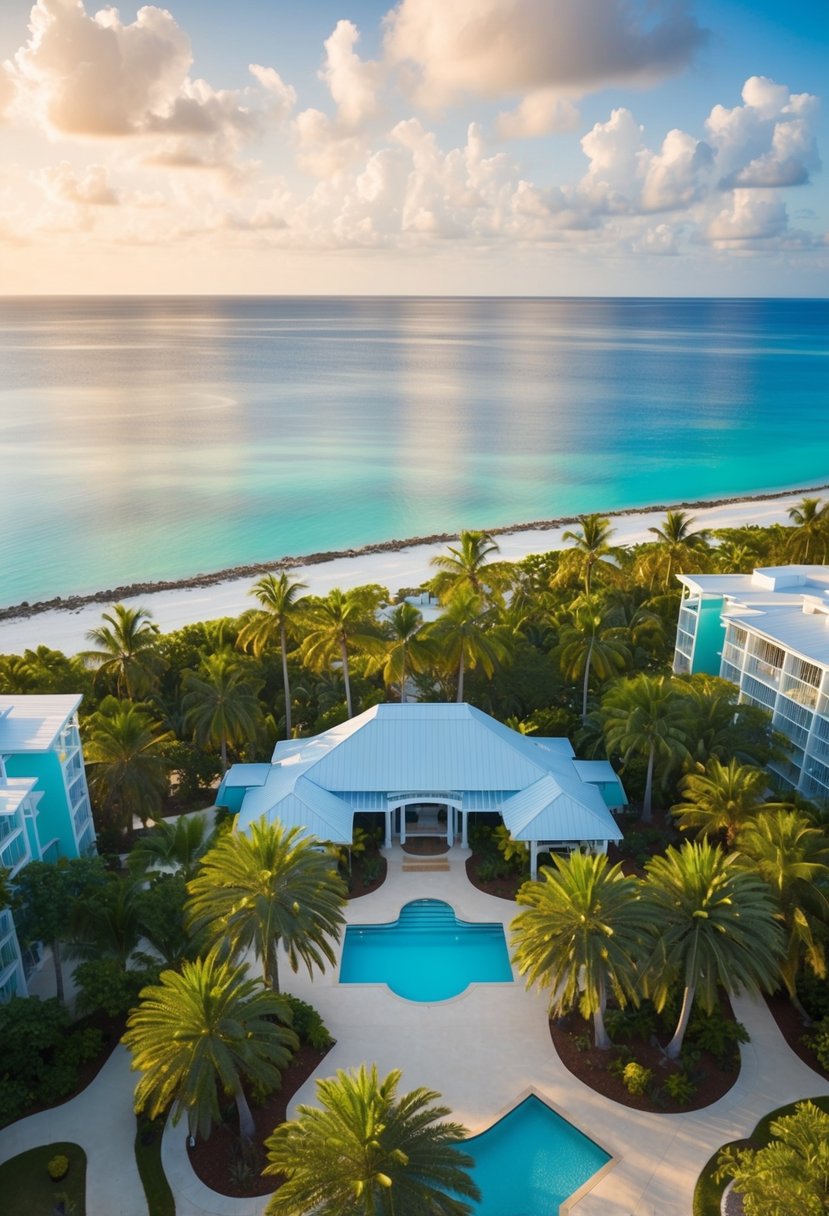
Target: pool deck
x=481 y=1051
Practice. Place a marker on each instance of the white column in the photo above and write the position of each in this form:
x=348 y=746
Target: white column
x=464 y=825
x=389 y=815
x=533 y=859
x=402 y=825
x=450 y=825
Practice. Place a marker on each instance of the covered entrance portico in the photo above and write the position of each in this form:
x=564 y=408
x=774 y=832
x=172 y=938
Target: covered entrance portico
x=418 y=813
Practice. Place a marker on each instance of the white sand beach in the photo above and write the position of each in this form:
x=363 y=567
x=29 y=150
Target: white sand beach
x=65 y=628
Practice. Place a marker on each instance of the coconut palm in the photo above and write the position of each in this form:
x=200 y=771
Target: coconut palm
x=365 y=1151
x=125 y=754
x=585 y=647
x=792 y=856
x=220 y=703
x=789 y=1174
x=278 y=619
x=267 y=886
x=809 y=538
x=406 y=647
x=105 y=923
x=198 y=1034
x=126 y=650
x=720 y=799
x=643 y=716
x=713 y=923
x=590 y=549
x=343 y=620
x=580 y=936
x=465 y=638
x=177 y=845
x=467 y=568
x=677 y=545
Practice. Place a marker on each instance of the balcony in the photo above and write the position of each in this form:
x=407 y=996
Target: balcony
x=764 y=671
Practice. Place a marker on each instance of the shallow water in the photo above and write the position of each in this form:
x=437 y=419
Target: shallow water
x=151 y=438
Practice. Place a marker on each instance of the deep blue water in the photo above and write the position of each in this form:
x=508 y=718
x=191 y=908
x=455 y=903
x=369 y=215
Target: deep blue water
x=149 y=438
x=427 y=954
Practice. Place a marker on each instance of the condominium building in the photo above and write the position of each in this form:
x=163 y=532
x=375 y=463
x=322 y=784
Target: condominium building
x=767 y=632
x=44 y=802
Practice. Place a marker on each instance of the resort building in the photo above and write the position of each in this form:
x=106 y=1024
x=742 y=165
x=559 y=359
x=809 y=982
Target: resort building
x=767 y=632
x=426 y=769
x=44 y=802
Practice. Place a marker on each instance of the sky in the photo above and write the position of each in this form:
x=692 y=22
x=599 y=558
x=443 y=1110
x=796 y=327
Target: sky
x=430 y=147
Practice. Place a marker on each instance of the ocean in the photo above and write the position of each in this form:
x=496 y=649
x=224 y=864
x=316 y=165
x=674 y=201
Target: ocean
x=148 y=438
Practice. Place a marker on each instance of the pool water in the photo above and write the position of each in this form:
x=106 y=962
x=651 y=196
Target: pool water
x=530 y=1161
x=427 y=954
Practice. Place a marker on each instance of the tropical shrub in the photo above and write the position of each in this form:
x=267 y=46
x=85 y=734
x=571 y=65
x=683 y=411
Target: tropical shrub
x=372 y=869
x=104 y=984
x=634 y=1022
x=637 y=1078
x=715 y=1033
x=819 y=1042
x=790 y=1173
x=680 y=1087
x=58 y=1167
x=41 y=1054
x=307 y=1024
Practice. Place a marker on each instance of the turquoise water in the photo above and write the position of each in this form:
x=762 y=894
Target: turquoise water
x=150 y=438
x=427 y=954
x=530 y=1161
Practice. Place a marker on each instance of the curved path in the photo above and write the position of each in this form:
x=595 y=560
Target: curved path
x=482 y=1051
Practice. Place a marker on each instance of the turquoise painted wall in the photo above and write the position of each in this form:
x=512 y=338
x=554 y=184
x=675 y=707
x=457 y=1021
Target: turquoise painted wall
x=231 y=798
x=53 y=817
x=710 y=637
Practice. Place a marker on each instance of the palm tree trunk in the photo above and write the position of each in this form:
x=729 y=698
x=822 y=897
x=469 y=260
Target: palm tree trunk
x=247 y=1128
x=283 y=642
x=675 y=1046
x=587 y=663
x=346 y=681
x=403 y=678
x=600 y=1035
x=646 y=804
x=270 y=966
x=224 y=753
x=460 y=678
x=58 y=970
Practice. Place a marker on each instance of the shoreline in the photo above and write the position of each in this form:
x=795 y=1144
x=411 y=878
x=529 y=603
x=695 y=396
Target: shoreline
x=71 y=603
x=63 y=624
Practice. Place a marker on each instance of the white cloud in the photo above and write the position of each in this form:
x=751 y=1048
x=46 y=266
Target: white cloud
x=282 y=96
x=769 y=141
x=354 y=83
x=502 y=48
x=540 y=113
x=91 y=188
x=749 y=217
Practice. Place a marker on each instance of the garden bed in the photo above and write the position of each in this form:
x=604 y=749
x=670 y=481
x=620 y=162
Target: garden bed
x=505 y=887
x=358 y=885
x=27 y=1190
x=219 y=1162
x=573 y=1040
x=794 y=1031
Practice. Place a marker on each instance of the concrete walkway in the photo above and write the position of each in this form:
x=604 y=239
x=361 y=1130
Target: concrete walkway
x=101 y=1121
x=482 y=1051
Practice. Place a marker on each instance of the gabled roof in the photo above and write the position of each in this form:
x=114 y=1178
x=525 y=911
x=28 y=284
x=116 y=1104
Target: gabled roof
x=32 y=723
x=549 y=810
x=300 y=803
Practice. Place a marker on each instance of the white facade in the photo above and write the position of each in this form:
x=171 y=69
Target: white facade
x=774 y=645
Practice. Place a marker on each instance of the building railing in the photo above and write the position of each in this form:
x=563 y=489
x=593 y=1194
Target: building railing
x=763 y=671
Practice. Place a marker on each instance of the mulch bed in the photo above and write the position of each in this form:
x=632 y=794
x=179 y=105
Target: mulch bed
x=358 y=886
x=215 y=1159
x=425 y=846
x=504 y=888
x=590 y=1066
x=793 y=1030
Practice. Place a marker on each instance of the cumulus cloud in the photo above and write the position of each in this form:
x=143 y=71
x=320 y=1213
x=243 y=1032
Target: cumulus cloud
x=282 y=96
x=540 y=113
x=353 y=83
x=749 y=217
x=91 y=188
x=7 y=89
x=769 y=140
x=501 y=48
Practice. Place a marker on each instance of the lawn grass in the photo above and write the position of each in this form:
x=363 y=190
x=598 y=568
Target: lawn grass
x=708 y=1193
x=27 y=1190
x=148 y=1159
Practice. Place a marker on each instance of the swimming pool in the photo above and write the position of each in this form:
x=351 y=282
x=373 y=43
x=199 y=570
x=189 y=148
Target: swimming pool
x=530 y=1161
x=427 y=954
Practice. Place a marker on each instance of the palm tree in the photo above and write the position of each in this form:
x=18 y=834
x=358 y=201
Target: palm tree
x=269 y=886
x=789 y=1173
x=276 y=620
x=406 y=649
x=220 y=704
x=590 y=548
x=713 y=923
x=105 y=923
x=128 y=769
x=643 y=716
x=792 y=856
x=467 y=568
x=126 y=650
x=464 y=637
x=175 y=845
x=368 y=1152
x=580 y=936
x=585 y=646
x=198 y=1034
x=341 y=620
x=810 y=535
x=720 y=798
x=677 y=544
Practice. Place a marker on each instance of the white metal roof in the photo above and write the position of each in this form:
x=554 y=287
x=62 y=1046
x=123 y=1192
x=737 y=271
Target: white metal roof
x=33 y=723
x=806 y=633
x=13 y=792
x=457 y=749
x=549 y=810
